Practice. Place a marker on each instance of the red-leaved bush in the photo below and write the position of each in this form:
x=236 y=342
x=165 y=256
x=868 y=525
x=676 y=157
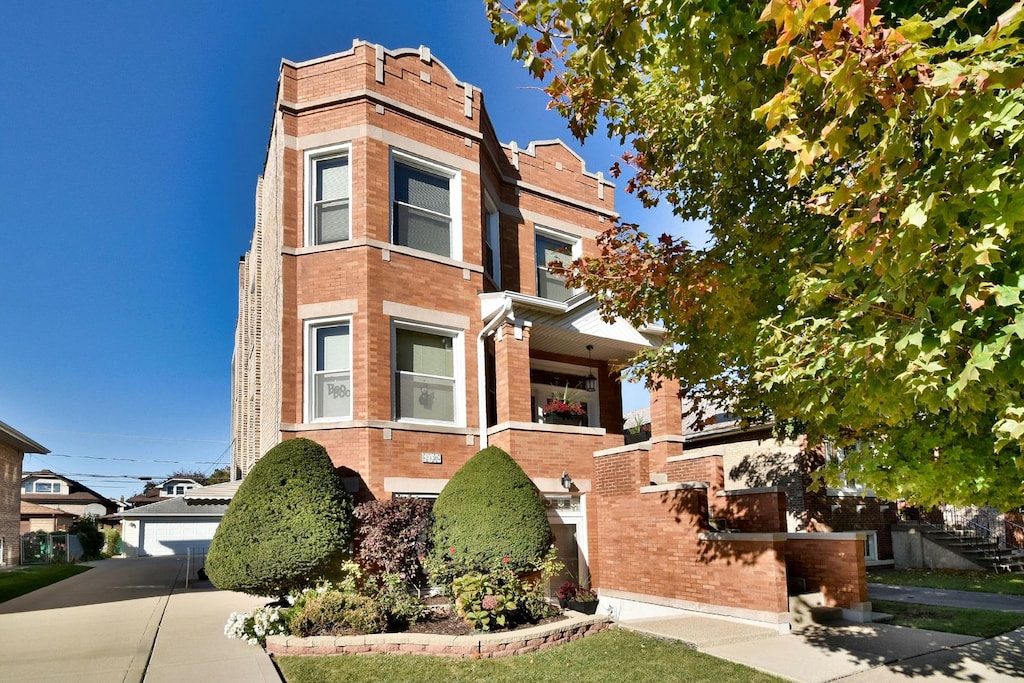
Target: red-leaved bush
x=392 y=535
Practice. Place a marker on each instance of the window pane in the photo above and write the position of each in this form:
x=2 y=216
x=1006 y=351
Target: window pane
x=424 y=353
x=425 y=398
x=332 y=394
x=332 y=348
x=551 y=286
x=332 y=377
x=491 y=248
x=42 y=488
x=422 y=231
x=331 y=221
x=332 y=178
x=549 y=250
x=420 y=188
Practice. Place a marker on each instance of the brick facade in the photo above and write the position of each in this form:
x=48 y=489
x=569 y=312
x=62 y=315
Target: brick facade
x=375 y=104
x=13 y=447
x=10 y=504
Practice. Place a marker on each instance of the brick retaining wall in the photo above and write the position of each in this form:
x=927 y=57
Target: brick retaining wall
x=479 y=645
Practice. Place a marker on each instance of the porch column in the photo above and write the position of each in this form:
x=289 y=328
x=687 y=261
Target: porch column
x=666 y=424
x=512 y=372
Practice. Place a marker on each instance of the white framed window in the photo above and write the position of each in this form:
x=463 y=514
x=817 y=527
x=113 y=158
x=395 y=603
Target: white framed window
x=871 y=546
x=328 y=376
x=554 y=247
x=45 y=487
x=425 y=205
x=329 y=190
x=492 y=241
x=428 y=377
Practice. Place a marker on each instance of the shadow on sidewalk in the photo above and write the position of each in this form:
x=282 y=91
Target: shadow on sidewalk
x=920 y=653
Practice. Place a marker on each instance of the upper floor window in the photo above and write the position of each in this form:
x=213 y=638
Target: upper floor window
x=426 y=386
x=42 y=487
x=492 y=243
x=425 y=203
x=552 y=248
x=329 y=371
x=329 y=190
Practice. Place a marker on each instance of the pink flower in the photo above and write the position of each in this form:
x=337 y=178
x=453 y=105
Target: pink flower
x=489 y=602
x=451 y=551
x=505 y=560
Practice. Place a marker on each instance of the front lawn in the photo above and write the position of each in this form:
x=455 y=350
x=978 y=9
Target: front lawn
x=968 y=622
x=611 y=656
x=27 y=579
x=979 y=581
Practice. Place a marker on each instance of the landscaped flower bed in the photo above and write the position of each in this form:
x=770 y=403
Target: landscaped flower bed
x=478 y=645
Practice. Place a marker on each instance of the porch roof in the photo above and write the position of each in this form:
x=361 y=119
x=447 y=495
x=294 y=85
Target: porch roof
x=560 y=326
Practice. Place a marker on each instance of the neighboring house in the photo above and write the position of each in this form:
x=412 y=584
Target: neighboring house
x=397 y=305
x=753 y=458
x=178 y=524
x=13 y=447
x=170 y=488
x=41 y=518
x=58 y=492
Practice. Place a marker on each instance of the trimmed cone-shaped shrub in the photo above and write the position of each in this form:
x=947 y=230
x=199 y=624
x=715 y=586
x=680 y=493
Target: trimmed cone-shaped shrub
x=288 y=525
x=489 y=511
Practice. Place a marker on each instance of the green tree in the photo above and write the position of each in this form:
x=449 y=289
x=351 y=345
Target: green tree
x=288 y=525
x=218 y=476
x=488 y=515
x=859 y=169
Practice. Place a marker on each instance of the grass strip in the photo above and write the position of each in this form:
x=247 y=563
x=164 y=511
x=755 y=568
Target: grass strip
x=952 y=579
x=611 y=656
x=27 y=579
x=968 y=622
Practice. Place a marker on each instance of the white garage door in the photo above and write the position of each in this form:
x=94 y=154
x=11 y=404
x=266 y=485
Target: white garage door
x=175 y=538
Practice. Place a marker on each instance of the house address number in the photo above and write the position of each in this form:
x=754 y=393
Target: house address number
x=430 y=458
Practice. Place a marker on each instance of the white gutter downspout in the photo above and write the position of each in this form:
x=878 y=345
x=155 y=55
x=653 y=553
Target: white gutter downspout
x=481 y=372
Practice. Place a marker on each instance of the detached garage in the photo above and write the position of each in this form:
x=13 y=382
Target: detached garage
x=178 y=525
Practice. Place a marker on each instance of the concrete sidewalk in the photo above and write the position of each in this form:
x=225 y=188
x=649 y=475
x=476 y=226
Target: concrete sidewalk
x=191 y=645
x=859 y=653
x=947 y=598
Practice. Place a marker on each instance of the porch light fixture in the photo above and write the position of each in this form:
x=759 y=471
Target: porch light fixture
x=590 y=383
x=566 y=481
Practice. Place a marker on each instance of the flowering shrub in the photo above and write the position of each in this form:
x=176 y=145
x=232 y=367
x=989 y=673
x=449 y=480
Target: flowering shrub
x=502 y=598
x=486 y=600
x=254 y=627
x=358 y=603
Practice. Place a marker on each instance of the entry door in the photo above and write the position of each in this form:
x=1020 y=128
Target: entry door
x=568 y=551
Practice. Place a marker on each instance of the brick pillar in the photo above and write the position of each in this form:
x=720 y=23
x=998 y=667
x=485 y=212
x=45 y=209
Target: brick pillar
x=666 y=424
x=512 y=373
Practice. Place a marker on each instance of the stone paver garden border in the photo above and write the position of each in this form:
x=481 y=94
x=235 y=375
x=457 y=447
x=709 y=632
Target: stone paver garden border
x=478 y=645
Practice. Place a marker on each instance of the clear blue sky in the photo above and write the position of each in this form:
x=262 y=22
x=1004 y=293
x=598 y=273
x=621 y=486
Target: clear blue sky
x=131 y=136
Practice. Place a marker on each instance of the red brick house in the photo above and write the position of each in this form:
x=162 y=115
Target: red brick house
x=396 y=303
x=13 y=447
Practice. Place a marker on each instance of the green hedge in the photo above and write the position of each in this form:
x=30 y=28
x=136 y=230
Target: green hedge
x=288 y=525
x=489 y=511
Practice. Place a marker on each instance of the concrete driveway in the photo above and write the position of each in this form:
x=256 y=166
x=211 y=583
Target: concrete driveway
x=95 y=626
x=102 y=626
